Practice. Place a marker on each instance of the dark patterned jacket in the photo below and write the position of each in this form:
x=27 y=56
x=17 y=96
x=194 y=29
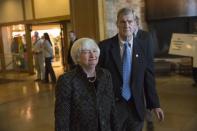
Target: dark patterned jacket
x=79 y=106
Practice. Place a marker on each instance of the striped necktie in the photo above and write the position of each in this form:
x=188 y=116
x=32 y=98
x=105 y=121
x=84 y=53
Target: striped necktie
x=126 y=89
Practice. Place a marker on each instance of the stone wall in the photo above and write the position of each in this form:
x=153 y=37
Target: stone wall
x=111 y=9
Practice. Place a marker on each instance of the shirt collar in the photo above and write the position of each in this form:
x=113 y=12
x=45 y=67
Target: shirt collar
x=122 y=42
x=135 y=33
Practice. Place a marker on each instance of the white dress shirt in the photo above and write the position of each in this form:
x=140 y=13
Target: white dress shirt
x=122 y=42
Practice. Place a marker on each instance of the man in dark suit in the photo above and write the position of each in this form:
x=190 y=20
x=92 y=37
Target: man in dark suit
x=142 y=91
x=73 y=38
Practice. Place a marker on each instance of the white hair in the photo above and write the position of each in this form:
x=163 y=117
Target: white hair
x=83 y=44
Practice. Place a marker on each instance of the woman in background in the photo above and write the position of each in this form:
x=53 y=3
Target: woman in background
x=48 y=53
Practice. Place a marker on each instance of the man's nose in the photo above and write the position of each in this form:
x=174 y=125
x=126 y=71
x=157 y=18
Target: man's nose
x=127 y=23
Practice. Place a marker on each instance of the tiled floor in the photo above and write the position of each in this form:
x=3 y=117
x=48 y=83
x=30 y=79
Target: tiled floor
x=26 y=105
x=178 y=99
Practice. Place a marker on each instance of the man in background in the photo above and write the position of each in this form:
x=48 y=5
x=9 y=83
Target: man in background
x=37 y=50
x=73 y=38
x=194 y=68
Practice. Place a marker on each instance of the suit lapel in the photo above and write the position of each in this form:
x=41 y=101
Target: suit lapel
x=115 y=51
x=100 y=81
x=137 y=57
x=101 y=85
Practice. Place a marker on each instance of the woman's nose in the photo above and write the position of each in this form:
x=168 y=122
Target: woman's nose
x=91 y=53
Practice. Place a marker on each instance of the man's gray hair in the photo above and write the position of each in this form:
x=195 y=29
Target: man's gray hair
x=126 y=11
x=83 y=44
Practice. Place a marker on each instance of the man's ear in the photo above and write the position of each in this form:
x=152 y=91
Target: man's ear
x=117 y=23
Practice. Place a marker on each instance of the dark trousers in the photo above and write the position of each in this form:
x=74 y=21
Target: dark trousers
x=194 y=73
x=49 y=70
x=128 y=118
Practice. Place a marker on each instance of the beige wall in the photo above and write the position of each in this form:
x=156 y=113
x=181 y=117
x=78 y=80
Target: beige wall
x=10 y=10
x=51 y=8
x=28 y=10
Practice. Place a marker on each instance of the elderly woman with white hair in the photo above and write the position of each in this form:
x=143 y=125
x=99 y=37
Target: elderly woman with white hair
x=84 y=96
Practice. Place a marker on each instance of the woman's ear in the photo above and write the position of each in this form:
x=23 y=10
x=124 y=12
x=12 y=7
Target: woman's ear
x=78 y=61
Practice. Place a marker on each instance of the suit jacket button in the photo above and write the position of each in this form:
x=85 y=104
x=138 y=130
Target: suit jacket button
x=117 y=99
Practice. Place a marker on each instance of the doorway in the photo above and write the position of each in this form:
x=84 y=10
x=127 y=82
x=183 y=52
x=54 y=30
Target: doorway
x=15 y=52
x=14 y=46
x=54 y=32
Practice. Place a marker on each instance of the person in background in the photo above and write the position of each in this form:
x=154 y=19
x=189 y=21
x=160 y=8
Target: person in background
x=37 y=50
x=73 y=38
x=48 y=53
x=194 y=60
x=57 y=52
x=194 y=68
x=14 y=45
x=130 y=62
x=84 y=95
